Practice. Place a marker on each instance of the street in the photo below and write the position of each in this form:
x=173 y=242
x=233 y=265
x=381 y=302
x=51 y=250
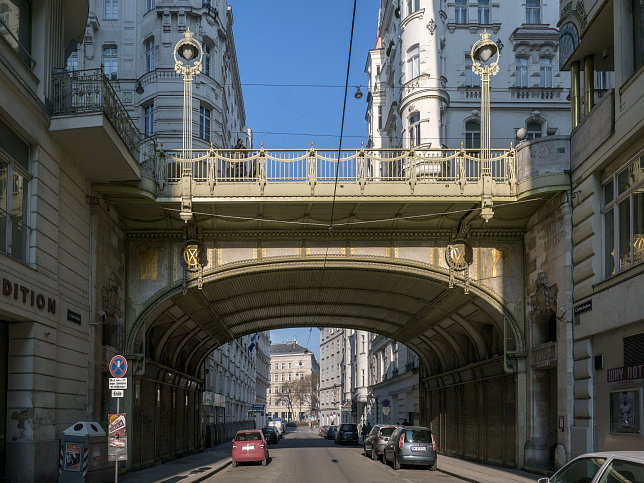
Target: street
x=303 y=456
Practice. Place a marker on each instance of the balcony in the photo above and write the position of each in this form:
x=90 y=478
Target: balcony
x=266 y=173
x=544 y=356
x=93 y=127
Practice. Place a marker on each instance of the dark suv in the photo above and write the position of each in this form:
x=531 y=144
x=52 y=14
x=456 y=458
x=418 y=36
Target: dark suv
x=374 y=442
x=347 y=433
x=411 y=445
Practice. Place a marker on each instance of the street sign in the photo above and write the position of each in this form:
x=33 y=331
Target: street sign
x=118 y=383
x=118 y=366
x=118 y=392
x=385 y=403
x=385 y=410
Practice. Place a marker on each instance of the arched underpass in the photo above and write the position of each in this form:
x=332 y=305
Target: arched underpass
x=471 y=390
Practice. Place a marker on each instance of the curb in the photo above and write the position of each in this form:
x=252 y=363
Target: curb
x=213 y=471
x=460 y=477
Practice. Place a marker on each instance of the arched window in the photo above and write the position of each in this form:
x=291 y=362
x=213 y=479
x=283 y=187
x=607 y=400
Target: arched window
x=534 y=129
x=472 y=134
x=414 y=129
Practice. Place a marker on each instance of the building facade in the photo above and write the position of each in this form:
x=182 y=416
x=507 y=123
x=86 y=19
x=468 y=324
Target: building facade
x=292 y=364
x=423 y=93
x=601 y=42
x=332 y=366
x=134 y=42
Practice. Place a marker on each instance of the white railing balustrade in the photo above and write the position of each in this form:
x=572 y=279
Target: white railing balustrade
x=416 y=166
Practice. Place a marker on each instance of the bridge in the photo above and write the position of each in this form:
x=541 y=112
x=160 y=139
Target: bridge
x=426 y=246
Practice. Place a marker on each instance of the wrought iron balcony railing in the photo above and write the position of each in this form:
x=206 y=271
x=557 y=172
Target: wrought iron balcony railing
x=89 y=91
x=213 y=167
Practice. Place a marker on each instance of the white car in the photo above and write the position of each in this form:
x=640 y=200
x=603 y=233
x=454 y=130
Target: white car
x=278 y=427
x=604 y=467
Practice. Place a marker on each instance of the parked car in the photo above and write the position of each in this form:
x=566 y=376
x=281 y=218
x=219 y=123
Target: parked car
x=375 y=441
x=411 y=445
x=609 y=466
x=270 y=434
x=249 y=445
x=331 y=432
x=278 y=427
x=347 y=433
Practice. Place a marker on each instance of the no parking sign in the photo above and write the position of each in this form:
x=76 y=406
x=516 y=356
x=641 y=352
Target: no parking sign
x=118 y=366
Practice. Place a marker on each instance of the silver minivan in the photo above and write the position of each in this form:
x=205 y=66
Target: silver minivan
x=411 y=445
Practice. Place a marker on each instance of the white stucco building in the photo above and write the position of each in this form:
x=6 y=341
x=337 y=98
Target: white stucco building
x=422 y=91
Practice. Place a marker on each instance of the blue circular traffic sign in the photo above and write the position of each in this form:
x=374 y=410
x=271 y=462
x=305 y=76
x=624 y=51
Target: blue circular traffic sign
x=118 y=366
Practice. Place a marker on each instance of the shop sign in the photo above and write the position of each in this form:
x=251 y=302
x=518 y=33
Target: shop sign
x=625 y=374
x=28 y=296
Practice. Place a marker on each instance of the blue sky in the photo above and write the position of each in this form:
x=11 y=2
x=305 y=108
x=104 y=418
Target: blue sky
x=307 y=337
x=303 y=42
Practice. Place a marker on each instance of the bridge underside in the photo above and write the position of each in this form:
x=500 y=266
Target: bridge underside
x=447 y=328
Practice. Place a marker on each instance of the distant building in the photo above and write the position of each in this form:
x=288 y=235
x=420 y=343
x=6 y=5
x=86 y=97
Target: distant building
x=290 y=362
x=332 y=347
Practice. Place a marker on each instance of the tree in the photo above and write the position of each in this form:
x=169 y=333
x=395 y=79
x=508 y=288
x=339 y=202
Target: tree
x=287 y=395
x=306 y=394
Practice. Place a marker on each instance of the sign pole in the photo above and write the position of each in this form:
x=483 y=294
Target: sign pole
x=116 y=463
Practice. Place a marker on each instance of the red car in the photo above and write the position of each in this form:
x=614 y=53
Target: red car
x=249 y=445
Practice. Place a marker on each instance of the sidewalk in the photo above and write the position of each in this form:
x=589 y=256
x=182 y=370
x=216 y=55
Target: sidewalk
x=198 y=467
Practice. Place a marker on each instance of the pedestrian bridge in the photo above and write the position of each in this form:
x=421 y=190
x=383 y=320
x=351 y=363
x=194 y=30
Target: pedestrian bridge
x=423 y=246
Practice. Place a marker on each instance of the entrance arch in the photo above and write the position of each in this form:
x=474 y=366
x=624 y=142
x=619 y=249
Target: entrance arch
x=463 y=340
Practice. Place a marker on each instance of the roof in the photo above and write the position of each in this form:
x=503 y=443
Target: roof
x=289 y=348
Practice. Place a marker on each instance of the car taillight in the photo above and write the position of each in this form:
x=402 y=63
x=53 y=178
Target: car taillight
x=433 y=442
x=234 y=446
x=401 y=441
x=261 y=445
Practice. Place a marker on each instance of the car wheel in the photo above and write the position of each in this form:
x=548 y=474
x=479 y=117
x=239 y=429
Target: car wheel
x=395 y=463
x=264 y=461
x=234 y=463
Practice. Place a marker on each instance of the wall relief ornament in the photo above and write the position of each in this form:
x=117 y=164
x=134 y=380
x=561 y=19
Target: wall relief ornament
x=431 y=26
x=459 y=256
x=543 y=301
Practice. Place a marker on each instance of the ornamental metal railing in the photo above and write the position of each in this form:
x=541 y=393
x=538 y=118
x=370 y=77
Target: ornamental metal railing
x=89 y=91
x=323 y=166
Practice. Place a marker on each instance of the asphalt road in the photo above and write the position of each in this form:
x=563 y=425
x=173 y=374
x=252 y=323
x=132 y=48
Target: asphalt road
x=304 y=457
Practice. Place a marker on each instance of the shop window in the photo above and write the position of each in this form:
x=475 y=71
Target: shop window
x=623 y=214
x=14 y=183
x=625 y=411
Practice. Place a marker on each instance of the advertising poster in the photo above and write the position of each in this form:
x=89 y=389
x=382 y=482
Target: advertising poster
x=625 y=412
x=72 y=456
x=117 y=438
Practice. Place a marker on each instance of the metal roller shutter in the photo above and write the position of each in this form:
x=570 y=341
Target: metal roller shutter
x=494 y=405
x=451 y=420
x=435 y=417
x=180 y=422
x=165 y=423
x=470 y=421
x=510 y=421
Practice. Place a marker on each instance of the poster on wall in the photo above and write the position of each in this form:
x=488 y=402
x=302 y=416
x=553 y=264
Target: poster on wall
x=117 y=438
x=625 y=412
x=72 y=456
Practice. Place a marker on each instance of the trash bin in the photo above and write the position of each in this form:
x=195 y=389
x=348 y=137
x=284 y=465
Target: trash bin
x=83 y=454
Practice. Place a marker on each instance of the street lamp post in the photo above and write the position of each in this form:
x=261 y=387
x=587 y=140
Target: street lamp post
x=188 y=55
x=484 y=65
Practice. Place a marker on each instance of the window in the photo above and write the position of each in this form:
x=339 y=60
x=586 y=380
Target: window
x=207 y=52
x=522 y=72
x=413 y=62
x=533 y=11
x=16 y=17
x=283 y=366
x=379 y=117
x=204 y=128
x=149 y=54
x=72 y=62
x=471 y=79
x=289 y=377
x=412 y=6
x=603 y=80
x=110 y=62
x=149 y=4
x=14 y=180
x=148 y=117
x=625 y=412
x=277 y=366
x=623 y=213
x=460 y=11
x=484 y=11
x=414 y=129
x=638 y=33
x=534 y=130
x=111 y=10
x=545 y=72
x=472 y=135
x=289 y=365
